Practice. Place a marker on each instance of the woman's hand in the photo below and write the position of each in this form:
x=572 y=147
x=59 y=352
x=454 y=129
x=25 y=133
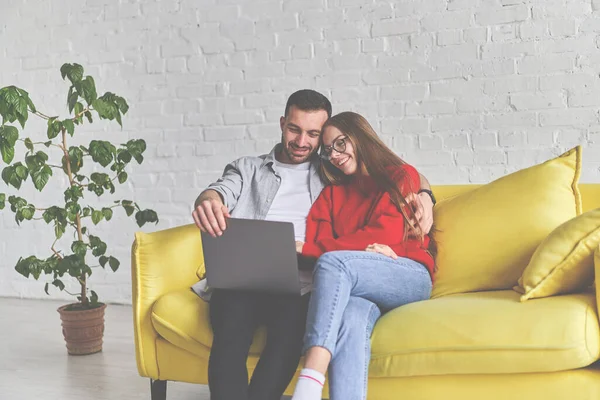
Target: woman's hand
x=299 y=246
x=382 y=249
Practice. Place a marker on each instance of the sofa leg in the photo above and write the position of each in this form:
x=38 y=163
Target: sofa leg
x=158 y=390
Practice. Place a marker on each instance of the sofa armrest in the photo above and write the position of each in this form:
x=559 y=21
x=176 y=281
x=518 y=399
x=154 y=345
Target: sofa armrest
x=161 y=262
x=597 y=278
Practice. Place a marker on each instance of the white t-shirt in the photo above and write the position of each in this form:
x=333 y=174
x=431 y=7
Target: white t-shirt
x=292 y=201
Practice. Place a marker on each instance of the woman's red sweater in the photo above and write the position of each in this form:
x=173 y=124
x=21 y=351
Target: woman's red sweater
x=353 y=216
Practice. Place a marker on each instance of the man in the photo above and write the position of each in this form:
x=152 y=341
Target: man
x=279 y=186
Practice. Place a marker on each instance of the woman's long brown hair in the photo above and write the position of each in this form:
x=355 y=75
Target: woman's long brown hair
x=377 y=160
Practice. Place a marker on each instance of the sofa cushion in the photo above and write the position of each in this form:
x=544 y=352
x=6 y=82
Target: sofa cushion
x=486 y=333
x=182 y=318
x=564 y=261
x=486 y=236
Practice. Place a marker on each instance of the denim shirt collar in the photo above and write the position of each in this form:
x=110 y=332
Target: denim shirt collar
x=315 y=182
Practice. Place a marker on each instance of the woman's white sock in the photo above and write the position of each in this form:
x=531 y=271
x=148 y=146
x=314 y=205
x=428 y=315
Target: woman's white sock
x=309 y=386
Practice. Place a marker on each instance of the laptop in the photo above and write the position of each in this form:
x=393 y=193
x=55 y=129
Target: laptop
x=256 y=255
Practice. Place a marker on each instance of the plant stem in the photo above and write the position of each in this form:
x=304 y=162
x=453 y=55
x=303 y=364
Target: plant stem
x=41 y=115
x=56 y=253
x=81 y=113
x=82 y=278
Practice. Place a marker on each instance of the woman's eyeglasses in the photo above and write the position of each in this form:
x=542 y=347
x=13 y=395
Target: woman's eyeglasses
x=339 y=145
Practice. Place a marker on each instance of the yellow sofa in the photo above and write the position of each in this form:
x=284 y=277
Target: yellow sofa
x=481 y=345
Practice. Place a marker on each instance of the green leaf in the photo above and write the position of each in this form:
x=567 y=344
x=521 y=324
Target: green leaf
x=80 y=248
x=59 y=284
x=33 y=266
x=75 y=160
x=64 y=70
x=122 y=104
x=28 y=212
x=124 y=156
x=88 y=115
x=108 y=213
x=103 y=260
x=40 y=178
x=122 y=177
x=98 y=246
x=36 y=162
x=2 y=200
x=114 y=263
x=128 y=207
x=53 y=128
x=21 y=171
x=102 y=152
x=11 y=96
x=29 y=144
x=10 y=134
x=9 y=176
x=142 y=217
x=14 y=175
x=25 y=95
x=97 y=216
x=48 y=143
x=7 y=152
x=135 y=148
x=59 y=230
x=72 y=209
x=73 y=193
x=21 y=111
x=93 y=298
x=8 y=138
x=87 y=89
x=46 y=288
x=72 y=98
x=69 y=126
x=72 y=71
x=78 y=108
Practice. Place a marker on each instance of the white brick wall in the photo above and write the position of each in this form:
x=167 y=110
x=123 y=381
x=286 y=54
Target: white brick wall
x=466 y=90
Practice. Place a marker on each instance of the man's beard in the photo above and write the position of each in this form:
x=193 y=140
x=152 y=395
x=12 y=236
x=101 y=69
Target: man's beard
x=294 y=158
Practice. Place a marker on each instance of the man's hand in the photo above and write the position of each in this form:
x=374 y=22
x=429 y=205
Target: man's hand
x=423 y=208
x=210 y=216
x=299 y=246
x=382 y=249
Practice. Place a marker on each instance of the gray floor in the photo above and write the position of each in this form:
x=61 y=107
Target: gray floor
x=34 y=363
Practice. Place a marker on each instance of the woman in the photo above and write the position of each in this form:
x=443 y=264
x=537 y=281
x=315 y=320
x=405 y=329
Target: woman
x=354 y=279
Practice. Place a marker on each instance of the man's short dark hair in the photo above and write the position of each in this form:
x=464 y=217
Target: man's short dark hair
x=308 y=100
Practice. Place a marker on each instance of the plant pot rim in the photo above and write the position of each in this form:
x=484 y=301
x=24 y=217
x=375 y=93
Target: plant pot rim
x=64 y=307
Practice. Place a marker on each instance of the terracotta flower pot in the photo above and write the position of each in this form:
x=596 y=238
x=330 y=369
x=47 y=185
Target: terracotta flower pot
x=83 y=329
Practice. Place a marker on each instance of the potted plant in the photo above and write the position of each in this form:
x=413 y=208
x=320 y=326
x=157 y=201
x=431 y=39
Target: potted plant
x=82 y=321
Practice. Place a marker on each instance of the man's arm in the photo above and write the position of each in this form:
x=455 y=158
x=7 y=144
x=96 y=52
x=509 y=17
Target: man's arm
x=424 y=182
x=423 y=206
x=211 y=207
x=209 y=195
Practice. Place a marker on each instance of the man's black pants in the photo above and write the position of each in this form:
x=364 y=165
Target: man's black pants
x=235 y=316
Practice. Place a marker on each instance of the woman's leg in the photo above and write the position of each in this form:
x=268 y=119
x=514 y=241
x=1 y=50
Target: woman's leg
x=349 y=368
x=384 y=281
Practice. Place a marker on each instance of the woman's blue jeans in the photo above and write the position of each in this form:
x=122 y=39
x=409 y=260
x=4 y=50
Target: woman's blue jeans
x=350 y=292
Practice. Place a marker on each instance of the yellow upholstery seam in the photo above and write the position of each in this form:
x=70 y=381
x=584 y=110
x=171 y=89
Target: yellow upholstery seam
x=137 y=305
x=176 y=331
x=575 y=186
x=379 y=355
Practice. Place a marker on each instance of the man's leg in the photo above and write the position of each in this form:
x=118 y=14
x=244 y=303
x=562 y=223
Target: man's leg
x=285 y=318
x=234 y=318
